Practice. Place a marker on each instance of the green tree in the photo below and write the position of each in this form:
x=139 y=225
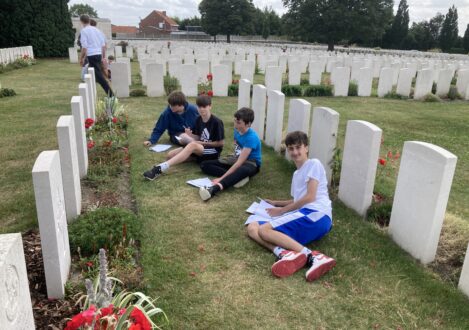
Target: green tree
x=331 y=21
x=399 y=28
x=192 y=21
x=225 y=16
x=79 y=9
x=44 y=24
x=449 y=30
x=465 y=41
x=265 y=28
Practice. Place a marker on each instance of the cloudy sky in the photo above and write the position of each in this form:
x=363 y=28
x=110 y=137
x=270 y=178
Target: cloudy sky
x=129 y=12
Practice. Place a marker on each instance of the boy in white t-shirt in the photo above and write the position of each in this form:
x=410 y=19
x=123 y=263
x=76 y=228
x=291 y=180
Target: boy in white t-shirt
x=311 y=220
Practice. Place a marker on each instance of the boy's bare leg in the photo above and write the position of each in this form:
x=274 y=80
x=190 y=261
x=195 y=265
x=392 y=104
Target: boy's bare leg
x=173 y=153
x=271 y=236
x=184 y=154
x=253 y=233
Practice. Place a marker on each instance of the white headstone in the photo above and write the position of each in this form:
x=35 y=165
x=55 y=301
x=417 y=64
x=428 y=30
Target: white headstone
x=385 y=82
x=48 y=191
x=89 y=88
x=129 y=52
x=80 y=134
x=462 y=81
x=444 y=82
x=244 y=94
x=73 y=55
x=16 y=311
x=220 y=80
x=404 y=82
x=294 y=73
x=259 y=100
x=341 y=81
x=126 y=60
x=464 y=278
x=360 y=159
x=118 y=50
x=84 y=93
x=422 y=190
x=189 y=79
x=365 y=81
x=299 y=115
x=173 y=67
x=203 y=69
x=93 y=85
x=248 y=69
x=69 y=165
x=315 y=72
x=155 y=80
x=323 y=137
x=273 y=78
x=274 y=123
x=120 y=80
x=423 y=84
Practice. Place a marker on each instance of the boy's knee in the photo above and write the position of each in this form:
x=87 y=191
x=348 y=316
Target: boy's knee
x=252 y=229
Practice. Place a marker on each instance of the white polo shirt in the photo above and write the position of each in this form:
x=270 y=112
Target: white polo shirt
x=92 y=39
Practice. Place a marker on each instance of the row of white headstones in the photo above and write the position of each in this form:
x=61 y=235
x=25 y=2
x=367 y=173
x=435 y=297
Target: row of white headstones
x=10 y=55
x=57 y=190
x=424 y=180
x=191 y=70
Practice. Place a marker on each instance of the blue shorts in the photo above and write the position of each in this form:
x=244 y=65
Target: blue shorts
x=304 y=225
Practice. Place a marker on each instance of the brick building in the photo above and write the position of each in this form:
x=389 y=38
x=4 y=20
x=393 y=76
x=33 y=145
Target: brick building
x=157 y=23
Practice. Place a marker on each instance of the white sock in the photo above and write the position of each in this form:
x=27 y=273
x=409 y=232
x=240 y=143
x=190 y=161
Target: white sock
x=306 y=251
x=278 y=250
x=164 y=166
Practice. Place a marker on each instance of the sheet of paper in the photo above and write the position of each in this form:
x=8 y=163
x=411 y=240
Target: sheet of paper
x=254 y=218
x=261 y=209
x=252 y=209
x=159 y=147
x=178 y=138
x=202 y=182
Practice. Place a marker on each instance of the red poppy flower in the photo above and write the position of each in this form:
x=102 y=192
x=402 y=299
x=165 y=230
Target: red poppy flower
x=210 y=93
x=91 y=145
x=115 y=120
x=140 y=319
x=89 y=264
x=397 y=155
x=389 y=154
x=382 y=161
x=209 y=76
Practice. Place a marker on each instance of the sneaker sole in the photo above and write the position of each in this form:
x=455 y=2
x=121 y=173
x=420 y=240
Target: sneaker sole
x=150 y=179
x=204 y=194
x=321 y=270
x=285 y=268
x=241 y=183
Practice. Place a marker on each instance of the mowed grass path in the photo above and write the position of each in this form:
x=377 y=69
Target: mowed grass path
x=209 y=275
x=196 y=257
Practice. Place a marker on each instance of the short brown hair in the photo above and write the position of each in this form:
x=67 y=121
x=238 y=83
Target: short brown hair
x=177 y=98
x=296 y=138
x=85 y=19
x=203 y=101
x=93 y=22
x=245 y=114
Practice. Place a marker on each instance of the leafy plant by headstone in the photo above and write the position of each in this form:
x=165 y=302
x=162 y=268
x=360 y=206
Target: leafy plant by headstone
x=292 y=90
x=171 y=84
x=453 y=93
x=6 y=92
x=137 y=93
x=318 y=90
x=353 y=89
x=233 y=90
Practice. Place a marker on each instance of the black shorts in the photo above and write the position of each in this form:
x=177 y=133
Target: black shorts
x=200 y=159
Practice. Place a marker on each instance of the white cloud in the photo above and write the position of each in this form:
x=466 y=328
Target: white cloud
x=129 y=12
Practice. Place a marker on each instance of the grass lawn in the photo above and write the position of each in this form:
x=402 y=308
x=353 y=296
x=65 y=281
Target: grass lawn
x=196 y=257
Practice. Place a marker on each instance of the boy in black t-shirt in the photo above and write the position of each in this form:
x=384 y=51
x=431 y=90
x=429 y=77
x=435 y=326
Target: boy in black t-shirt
x=208 y=135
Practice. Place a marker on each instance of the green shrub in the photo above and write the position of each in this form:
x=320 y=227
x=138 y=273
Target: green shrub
x=304 y=81
x=453 y=93
x=394 y=95
x=431 y=98
x=434 y=88
x=292 y=90
x=103 y=228
x=353 y=89
x=5 y=92
x=171 y=84
x=137 y=93
x=318 y=90
x=380 y=213
x=233 y=90
x=454 y=81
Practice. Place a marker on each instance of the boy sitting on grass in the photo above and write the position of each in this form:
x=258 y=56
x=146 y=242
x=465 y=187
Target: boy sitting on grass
x=287 y=236
x=246 y=161
x=178 y=118
x=208 y=136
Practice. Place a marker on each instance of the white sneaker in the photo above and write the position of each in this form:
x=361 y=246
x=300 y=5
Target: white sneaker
x=241 y=183
x=205 y=193
x=319 y=264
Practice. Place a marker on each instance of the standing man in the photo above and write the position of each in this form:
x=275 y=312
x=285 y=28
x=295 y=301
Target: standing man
x=92 y=44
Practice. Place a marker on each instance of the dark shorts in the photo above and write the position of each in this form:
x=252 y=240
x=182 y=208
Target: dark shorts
x=200 y=159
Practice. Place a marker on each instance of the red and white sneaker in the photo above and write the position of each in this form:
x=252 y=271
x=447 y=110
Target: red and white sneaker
x=289 y=263
x=319 y=264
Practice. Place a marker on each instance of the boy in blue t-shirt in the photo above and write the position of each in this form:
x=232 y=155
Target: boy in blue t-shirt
x=236 y=169
x=306 y=218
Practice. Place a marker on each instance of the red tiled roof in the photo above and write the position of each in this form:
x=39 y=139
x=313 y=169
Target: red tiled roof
x=124 y=29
